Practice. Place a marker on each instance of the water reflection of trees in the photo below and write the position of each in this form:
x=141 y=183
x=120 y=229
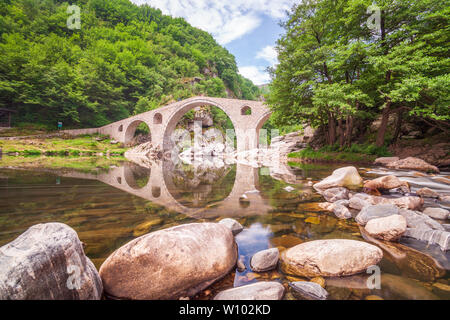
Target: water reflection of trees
x=196 y=186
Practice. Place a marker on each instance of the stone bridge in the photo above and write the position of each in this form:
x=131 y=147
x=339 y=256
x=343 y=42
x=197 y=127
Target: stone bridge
x=247 y=117
x=161 y=190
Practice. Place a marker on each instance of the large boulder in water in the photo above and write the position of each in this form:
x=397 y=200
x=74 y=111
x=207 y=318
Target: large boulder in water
x=389 y=228
x=343 y=177
x=412 y=163
x=170 y=263
x=48 y=262
x=330 y=258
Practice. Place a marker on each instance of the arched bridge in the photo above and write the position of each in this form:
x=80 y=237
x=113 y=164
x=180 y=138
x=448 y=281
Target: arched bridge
x=247 y=117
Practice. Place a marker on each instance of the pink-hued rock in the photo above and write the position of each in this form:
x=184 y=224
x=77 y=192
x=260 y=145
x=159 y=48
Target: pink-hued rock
x=412 y=163
x=387 y=183
x=170 y=263
x=330 y=258
x=47 y=262
x=389 y=228
x=427 y=193
x=385 y=160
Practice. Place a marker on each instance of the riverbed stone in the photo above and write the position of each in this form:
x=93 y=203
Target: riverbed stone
x=47 y=262
x=387 y=183
x=233 y=225
x=389 y=228
x=437 y=213
x=341 y=211
x=170 y=263
x=385 y=160
x=343 y=177
x=329 y=258
x=375 y=211
x=359 y=201
x=335 y=194
x=265 y=260
x=427 y=193
x=412 y=163
x=264 y=290
x=309 y=290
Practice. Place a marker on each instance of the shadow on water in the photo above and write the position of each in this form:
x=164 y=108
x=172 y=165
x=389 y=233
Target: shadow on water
x=112 y=207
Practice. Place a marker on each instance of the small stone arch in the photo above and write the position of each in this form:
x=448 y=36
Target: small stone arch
x=246 y=111
x=157 y=118
x=136 y=177
x=121 y=128
x=131 y=129
x=156 y=192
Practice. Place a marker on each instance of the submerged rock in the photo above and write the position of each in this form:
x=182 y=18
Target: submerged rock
x=170 y=263
x=389 y=228
x=385 y=160
x=309 y=290
x=335 y=194
x=47 y=262
x=329 y=258
x=436 y=213
x=343 y=177
x=427 y=193
x=412 y=163
x=269 y=290
x=265 y=260
x=233 y=225
x=375 y=211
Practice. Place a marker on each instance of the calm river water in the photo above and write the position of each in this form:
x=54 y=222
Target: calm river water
x=108 y=208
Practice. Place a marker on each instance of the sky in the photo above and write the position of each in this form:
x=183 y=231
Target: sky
x=247 y=28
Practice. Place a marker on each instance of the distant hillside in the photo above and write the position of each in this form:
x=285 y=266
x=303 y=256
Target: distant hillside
x=125 y=59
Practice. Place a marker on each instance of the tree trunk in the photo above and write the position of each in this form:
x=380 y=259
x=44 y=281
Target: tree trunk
x=341 y=132
x=398 y=125
x=331 y=128
x=349 y=130
x=384 y=122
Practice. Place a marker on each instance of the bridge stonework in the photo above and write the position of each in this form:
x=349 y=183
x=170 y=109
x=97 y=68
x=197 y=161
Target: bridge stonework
x=247 y=117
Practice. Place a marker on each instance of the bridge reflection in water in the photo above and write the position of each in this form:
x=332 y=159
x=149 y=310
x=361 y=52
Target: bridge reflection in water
x=155 y=182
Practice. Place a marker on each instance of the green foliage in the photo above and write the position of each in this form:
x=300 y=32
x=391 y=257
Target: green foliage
x=125 y=59
x=333 y=70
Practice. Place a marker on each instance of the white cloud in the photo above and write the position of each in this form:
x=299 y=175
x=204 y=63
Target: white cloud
x=269 y=54
x=258 y=75
x=226 y=20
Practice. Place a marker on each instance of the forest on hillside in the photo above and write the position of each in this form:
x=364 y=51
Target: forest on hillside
x=345 y=63
x=123 y=60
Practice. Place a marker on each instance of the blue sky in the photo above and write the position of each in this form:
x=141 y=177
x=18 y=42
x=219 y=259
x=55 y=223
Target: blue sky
x=247 y=28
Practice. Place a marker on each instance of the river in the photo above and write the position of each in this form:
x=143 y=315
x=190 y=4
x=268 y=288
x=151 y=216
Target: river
x=110 y=207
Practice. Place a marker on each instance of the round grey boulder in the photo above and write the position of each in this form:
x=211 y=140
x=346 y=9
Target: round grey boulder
x=265 y=260
x=309 y=290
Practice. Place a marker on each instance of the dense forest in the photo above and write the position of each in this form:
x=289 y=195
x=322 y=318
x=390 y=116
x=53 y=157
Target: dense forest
x=344 y=63
x=124 y=59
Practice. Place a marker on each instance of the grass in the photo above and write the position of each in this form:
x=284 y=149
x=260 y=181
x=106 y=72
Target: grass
x=82 y=164
x=59 y=146
x=355 y=153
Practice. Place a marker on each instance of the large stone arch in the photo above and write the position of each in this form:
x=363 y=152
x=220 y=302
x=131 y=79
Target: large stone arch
x=131 y=129
x=175 y=117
